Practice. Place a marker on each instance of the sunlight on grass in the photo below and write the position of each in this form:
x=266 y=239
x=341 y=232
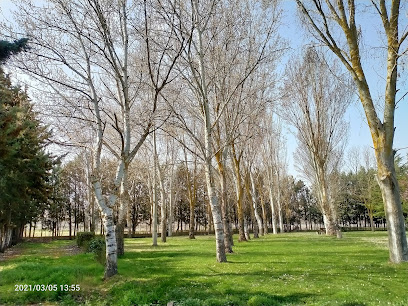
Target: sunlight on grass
x=8 y=267
x=287 y=269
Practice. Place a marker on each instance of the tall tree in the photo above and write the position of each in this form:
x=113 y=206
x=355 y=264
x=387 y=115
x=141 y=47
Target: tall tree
x=24 y=165
x=315 y=100
x=326 y=18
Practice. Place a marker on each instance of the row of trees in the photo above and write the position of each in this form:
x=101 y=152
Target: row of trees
x=24 y=166
x=358 y=200
x=203 y=74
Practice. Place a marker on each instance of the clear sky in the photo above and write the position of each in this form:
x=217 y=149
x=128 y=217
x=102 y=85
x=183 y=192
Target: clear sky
x=292 y=31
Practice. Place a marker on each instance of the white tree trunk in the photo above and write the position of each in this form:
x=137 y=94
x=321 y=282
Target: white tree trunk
x=154 y=215
x=123 y=208
x=163 y=207
x=280 y=213
x=154 y=202
x=272 y=203
x=110 y=235
x=246 y=230
x=254 y=201
x=171 y=205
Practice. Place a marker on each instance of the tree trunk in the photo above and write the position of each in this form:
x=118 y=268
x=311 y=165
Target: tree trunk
x=246 y=231
x=370 y=214
x=163 y=207
x=171 y=205
x=192 y=196
x=154 y=187
x=271 y=201
x=251 y=209
x=239 y=189
x=120 y=237
x=264 y=218
x=254 y=201
x=70 y=220
x=111 y=265
x=397 y=240
x=192 y=219
x=280 y=213
x=154 y=214
x=91 y=200
x=215 y=209
x=224 y=205
x=123 y=207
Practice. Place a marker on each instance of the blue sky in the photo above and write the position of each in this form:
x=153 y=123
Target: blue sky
x=359 y=133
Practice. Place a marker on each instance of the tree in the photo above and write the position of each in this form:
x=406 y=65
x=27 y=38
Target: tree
x=7 y=49
x=325 y=19
x=24 y=165
x=116 y=63
x=315 y=100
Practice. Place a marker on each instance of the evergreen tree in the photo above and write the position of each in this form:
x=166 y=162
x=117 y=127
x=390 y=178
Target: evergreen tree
x=7 y=48
x=24 y=165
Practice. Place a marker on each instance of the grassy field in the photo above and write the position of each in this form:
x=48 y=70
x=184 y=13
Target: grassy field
x=287 y=269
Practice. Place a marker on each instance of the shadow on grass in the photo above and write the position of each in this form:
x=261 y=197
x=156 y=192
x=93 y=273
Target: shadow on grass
x=157 y=278
x=160 y=291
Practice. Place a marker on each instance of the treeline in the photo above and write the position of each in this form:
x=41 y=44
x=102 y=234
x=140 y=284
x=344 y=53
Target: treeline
x=25 y=167
x=359 y=201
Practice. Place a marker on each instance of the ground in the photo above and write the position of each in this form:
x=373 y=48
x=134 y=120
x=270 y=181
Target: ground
x=287 y=269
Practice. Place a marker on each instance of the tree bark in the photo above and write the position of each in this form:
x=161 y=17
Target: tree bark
x=388 y=183
x=224 y=204
x=111 y=265
x=154 y=187
x=123 y=207
x=163 y=207
x=254 y=201
x=171 y=204
x=272 y=203
x=239 y=189
x=264 y=218
x=246 y=231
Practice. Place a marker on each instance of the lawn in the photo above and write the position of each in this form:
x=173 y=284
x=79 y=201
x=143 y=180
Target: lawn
x=287 y=269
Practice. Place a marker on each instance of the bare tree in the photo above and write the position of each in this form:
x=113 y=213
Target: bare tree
x=85 y=53
x=274 y=157
x=325 y=19
x=316 y=98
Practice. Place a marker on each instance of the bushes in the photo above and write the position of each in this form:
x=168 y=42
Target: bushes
x=92 y=244
x=98 y=247
x=84 y=238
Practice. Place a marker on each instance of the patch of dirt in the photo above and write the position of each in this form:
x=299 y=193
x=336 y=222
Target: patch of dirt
x=71 y=250
x=12 y=252
x=57 y=251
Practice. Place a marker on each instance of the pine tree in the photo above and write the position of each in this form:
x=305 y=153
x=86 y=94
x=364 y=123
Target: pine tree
x=24 y=165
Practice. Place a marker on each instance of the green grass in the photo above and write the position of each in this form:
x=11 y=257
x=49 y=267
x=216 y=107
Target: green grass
x=288 y=269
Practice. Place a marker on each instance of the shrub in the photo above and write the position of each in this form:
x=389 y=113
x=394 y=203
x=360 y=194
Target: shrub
x=98 y=247
x=83 y=238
